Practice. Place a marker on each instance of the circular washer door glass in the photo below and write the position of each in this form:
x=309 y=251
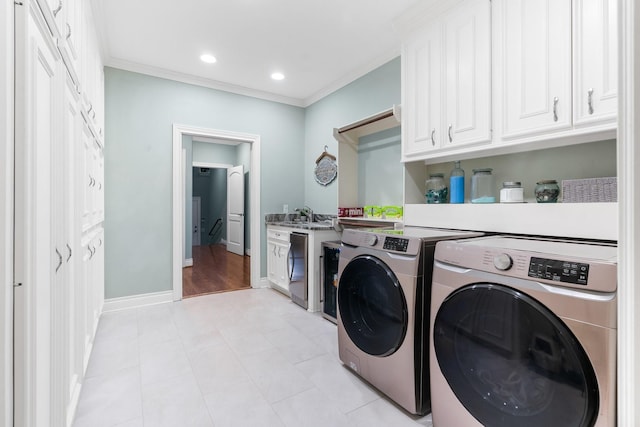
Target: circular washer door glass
x=373 y=308
x=511 y=362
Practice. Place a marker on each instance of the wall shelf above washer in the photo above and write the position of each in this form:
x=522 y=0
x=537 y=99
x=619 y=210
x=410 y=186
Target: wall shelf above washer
x=378 y=122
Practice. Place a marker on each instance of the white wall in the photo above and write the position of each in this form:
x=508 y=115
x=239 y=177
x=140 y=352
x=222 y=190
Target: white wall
x=6 y=212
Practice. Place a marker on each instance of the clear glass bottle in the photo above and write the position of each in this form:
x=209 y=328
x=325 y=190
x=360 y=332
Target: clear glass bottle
x=482 y=186
x=456 y=184
x=437 y=190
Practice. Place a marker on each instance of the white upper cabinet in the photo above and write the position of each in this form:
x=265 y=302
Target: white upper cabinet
x=446 y=82
x=555 y=69
x=596 y=61
x=422 y=102
x=536 y=64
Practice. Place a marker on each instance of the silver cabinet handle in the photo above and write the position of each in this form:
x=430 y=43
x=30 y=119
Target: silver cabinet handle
x=90 y=108
x=58 y=9
x=93 y=251
x=68 y=31
x=59 y=260
x=70 y=252
x=433 y=133
x=555 y=109
x=590 y=100
x=449 y=132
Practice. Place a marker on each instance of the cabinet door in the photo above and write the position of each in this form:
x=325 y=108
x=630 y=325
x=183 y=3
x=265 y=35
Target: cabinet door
x=536 y=55
x=421 y=91
x=272 y=261
x=467 y=76
x=596 y=61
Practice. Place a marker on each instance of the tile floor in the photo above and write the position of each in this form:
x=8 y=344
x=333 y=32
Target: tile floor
x=245 y=358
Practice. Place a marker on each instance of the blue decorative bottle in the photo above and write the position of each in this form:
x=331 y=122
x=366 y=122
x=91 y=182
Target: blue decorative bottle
x=456 y=184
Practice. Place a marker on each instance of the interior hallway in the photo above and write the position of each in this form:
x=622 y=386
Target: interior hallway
x=232 y=359
x=215 y=270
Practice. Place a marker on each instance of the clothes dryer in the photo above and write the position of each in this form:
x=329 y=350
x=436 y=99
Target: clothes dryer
x=383 y=309
x=524 y=333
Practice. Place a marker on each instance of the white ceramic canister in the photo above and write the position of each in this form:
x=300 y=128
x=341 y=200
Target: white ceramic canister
x=512 y=192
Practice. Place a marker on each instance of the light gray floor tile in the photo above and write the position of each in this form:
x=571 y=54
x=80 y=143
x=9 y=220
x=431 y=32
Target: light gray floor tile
x=216 y=366
x=310 y=409
x=112 y=354
x=110 y=400
x=163 y=360
x=345 y=390
x=174 y=402
x=236 y=359
x=276 y=377
x=241 y=405
x=382 y=413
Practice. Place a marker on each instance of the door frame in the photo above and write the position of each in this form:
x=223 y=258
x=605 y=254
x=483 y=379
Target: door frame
x=179 y=201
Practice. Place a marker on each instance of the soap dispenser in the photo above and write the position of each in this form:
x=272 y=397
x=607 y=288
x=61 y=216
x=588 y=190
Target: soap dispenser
x=456 y=184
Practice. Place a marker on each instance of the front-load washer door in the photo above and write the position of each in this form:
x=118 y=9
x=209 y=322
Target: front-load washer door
x=373 y=308
x=511 y=362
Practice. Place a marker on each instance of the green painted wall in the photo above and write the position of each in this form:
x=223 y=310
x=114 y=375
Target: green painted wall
x=370 y=94
x=140 y=112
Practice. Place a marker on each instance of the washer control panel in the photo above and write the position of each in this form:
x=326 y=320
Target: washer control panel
x=559 y=271
x=397 y=244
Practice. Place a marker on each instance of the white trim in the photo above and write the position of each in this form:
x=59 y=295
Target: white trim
x=179 y=204
x=264 y=283
x=211 y=165
x=6 y=210
x=199 y=81
x=188 y=262
x=135 y=301
x=629 y=214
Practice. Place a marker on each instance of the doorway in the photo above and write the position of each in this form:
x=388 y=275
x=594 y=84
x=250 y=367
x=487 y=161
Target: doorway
x=180 y=172
x=214 y=262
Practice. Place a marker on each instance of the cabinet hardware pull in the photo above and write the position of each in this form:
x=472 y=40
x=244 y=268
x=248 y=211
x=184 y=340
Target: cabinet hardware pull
x=58 y=9
x=59 y=260
x=590 y=100
x=450 y=138
x=90 y=108
x=68 y=31
x=93 y=251
x=433 y=141
x=70 y=252
x=555 y=109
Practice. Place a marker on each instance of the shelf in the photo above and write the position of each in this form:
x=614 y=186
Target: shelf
x=573 y=220
x=368 y=222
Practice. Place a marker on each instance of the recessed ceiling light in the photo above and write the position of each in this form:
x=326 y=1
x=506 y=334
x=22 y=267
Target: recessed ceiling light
x=277 y=76
x=209 y=59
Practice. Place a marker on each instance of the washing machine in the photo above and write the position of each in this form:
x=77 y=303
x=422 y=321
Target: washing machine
x=523 y=333
x=383 y=309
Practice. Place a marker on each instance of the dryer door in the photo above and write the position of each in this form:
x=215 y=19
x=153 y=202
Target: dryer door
x=511 y=362
x=373 y=308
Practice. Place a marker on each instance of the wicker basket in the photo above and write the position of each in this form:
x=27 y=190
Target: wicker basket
x=590 y=190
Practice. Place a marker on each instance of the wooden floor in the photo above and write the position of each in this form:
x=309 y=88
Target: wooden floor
x=215 y=270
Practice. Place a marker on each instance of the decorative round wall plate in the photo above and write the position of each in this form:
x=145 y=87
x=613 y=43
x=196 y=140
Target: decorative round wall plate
x=326 y=170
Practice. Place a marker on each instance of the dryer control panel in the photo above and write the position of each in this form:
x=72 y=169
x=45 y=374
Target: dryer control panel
x=559 y=271
x=397 y=244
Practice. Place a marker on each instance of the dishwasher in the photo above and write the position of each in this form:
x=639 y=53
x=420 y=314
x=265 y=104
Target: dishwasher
x=298 y=281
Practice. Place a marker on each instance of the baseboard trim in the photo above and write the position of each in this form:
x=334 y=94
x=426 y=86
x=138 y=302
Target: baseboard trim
x=188 y=262
x=134 y=301
x=263 y=283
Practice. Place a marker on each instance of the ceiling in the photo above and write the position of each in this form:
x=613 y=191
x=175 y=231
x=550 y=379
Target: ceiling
x=318 y=45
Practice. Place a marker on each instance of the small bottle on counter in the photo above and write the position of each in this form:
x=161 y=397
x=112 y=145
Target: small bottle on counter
x=482 y=186
x=456 y=183
x=437 y=190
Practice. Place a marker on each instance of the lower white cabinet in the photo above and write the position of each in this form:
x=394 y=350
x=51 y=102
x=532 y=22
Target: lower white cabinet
x=278 y=258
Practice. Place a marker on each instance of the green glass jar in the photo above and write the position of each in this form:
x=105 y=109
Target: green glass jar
x=547 y=191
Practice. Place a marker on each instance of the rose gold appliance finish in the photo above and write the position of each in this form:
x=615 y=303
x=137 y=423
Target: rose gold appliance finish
x=403 y=261
x=526 y=266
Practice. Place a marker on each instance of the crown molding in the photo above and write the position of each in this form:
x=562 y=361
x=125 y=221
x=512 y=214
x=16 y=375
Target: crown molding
x=199 y=81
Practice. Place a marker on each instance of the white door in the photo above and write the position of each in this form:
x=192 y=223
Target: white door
x=235 y=210
x=195 y=221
